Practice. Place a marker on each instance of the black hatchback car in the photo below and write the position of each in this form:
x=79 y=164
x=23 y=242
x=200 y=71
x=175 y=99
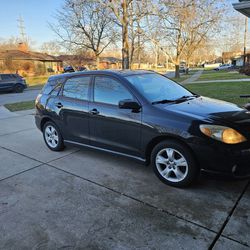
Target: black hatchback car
x=12 y=82
x=146 y=116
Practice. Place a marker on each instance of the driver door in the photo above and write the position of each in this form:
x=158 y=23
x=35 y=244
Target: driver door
x=113 y=128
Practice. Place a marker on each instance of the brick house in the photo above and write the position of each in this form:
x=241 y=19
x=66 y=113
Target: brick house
x=28 y=62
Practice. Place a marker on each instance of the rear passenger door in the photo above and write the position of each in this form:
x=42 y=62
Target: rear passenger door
x=72 y=106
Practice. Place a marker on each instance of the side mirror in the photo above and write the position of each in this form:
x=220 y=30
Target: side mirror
x=129 y=104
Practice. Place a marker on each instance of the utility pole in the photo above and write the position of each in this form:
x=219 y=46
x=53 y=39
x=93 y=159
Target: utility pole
x=21 y=29
x=245 y=41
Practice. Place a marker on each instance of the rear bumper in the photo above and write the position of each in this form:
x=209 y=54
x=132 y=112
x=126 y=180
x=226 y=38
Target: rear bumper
x=38 y=121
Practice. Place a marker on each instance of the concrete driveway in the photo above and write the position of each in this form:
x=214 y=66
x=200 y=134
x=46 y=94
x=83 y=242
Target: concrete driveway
x=83 y=199
x=27 y=95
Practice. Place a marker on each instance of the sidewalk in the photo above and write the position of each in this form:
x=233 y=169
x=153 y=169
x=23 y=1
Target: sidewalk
x=214 y=81
x=193 y=78
x=5 y=113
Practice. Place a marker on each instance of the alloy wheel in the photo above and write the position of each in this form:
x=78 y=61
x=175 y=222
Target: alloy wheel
x=171 y=165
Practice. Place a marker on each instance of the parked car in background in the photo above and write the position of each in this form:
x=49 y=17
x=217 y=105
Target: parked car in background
x=148 y=117
x=68 y=69
x=12 y=82
x=223 y=67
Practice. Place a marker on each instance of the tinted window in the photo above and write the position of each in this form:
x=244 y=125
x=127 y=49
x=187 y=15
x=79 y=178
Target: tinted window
x=155 y=87
x=77 y=87
x=51 y=84
x=56 y=90
x=108 y=90
x=6 y=77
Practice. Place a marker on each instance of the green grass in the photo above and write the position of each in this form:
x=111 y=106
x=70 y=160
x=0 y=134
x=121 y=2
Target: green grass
x=20 y=106
x=36 y=81
x=229 y=91
x=210 y=75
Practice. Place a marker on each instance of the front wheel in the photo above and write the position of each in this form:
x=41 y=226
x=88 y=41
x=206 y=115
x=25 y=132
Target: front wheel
x=52 y=137
x=174 y=164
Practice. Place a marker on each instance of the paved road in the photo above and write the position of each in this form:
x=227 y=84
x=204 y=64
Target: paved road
x=27 y=95
x=83 y=199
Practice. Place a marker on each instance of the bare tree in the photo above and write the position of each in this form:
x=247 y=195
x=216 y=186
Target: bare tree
x=86 y=24
x=182 y=27
x=120 y=11
x=128 y=14
x=51 y=48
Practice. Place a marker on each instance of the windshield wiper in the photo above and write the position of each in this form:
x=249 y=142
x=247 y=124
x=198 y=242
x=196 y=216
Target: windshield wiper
x=183 y=98
x=163 y=101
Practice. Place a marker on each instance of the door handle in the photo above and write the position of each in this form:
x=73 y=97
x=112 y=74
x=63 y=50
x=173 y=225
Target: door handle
x=94 y=112
x=59 y=105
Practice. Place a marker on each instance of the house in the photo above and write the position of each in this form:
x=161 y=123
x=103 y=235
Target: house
x=27 y=62
x=238 y=61
x=90 y=62
x=110 y=63
x=227 y=57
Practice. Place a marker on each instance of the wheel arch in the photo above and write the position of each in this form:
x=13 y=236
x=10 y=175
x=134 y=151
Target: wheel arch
x=158 y=139
x=44 y=120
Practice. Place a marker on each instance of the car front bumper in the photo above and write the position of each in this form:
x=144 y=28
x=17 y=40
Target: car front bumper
x=216 y=158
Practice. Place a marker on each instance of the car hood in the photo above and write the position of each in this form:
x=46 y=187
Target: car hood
x=212 y=109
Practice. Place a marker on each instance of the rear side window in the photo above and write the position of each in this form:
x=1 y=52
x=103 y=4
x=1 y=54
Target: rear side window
x=52 y=87
x=77 y=87
x=6 y=77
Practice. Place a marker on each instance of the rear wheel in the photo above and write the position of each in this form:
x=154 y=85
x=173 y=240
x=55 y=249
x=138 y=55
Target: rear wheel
x=18 y=88
x=52 y=137
x=174 y=164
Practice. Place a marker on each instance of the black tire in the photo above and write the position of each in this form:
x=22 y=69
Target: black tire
x=177 y=173
x=18 y=88
x=59 y=145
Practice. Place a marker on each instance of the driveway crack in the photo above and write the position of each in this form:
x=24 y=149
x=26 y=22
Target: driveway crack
x=219 y=234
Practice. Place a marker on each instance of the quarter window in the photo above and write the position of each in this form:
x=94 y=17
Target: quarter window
x=77 y=87
x=108 y=90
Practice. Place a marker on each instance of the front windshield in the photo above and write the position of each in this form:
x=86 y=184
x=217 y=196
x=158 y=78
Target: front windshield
x=155 y=87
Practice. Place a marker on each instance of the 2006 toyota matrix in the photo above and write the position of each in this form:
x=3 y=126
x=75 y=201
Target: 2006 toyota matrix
x=144 y=115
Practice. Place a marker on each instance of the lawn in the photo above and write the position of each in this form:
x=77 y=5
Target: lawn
x=210 y=75
x=20 y=106
x=36 y=81
x=229 y=91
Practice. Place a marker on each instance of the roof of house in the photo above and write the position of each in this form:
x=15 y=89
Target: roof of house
x=29 y=55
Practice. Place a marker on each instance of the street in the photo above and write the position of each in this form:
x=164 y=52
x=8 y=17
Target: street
x=27 y=95
x=80 y=198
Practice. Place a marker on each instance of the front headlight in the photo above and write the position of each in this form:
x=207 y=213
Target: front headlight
x=223 y=134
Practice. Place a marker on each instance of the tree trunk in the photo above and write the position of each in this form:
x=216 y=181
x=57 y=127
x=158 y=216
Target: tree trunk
x=177 y=70
x=97 y=58
x=125 y=42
